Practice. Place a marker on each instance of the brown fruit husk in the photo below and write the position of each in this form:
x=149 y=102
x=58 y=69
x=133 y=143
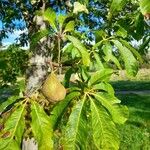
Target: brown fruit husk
x=52 y=89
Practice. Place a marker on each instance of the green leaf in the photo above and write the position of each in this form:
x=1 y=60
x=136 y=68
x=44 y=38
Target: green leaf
x=144 y=6
x=139 y=25
x=107 y=49
x=69 y=26
x=104 y=86
x=58 y=110
x=41 y=127
x=8 y=102
x=81 y=48
x=131 y=63
x=111 y=103
x=98 y=61
x=67 y=77
x=117 y=5
x=14 y=126
x=61 y=18
x=105 y=134
x=132 y=49
x=38 y=36
x=76 y=130
x=102 y=75
x=79 y=8
x=121 y=32
x=50 y=16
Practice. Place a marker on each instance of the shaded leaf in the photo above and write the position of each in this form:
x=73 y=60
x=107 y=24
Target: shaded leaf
x=60 y=108
x=41 y=127
x=8 y=102
x=76 y=130
x=38 y=36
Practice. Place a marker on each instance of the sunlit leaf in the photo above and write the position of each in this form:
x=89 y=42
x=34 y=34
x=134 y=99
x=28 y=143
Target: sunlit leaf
x=121 y=32
x=81 y=48
x=105 y=134
x=131 y=63
x=111 y=103
x=79 y=8
x=132 y=49
x=76 y=130
x=69 y=26
x=102 y=75
x=144 y=6
x=98 y=61
x=61 y=18
x=41 y=127
x=50 y=16
x=11 y=136
x=105 y=87
x=107 y=49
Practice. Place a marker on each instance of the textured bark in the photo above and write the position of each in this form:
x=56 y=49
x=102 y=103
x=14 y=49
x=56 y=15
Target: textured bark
x=37 y=69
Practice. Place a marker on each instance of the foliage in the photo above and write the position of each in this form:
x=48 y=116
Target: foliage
x=13 y=63
x=88 y=117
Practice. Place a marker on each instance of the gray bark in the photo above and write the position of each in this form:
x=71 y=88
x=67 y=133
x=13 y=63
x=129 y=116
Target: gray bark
x=37 y=70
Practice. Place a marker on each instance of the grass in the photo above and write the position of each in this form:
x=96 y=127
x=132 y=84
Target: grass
x=131 y=85
x=135 y=134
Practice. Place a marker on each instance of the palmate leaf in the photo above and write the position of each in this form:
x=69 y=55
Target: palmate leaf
x=76 y=130
x=58 y=110
x=81 y=48
x=102 y=75
x=41 y=127
x=105 y=134
x=14 y=127
x=111 y=103
x=131 y=64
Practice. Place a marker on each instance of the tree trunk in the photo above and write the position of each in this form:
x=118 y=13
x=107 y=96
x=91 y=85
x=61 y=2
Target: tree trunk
x=37 y=69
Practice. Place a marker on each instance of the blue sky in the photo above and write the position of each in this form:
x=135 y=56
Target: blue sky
x=12 y=36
